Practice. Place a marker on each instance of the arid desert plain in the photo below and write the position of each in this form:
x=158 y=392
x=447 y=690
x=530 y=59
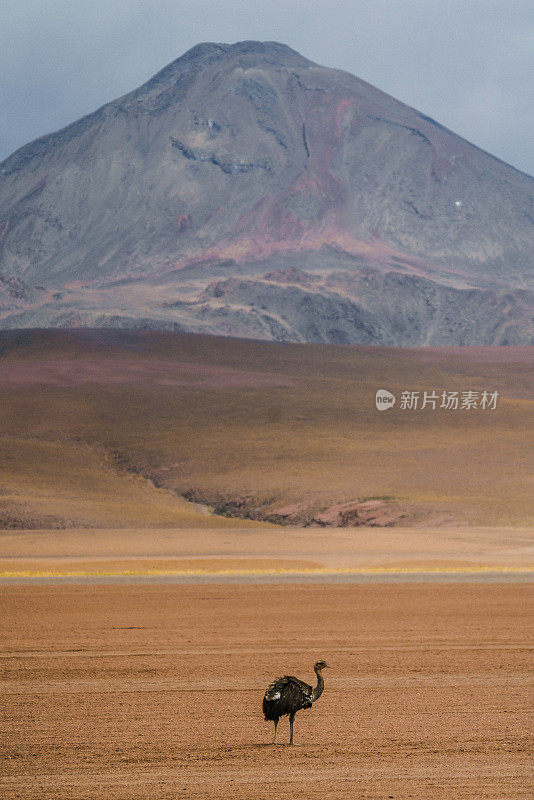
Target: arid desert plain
x=170 y=543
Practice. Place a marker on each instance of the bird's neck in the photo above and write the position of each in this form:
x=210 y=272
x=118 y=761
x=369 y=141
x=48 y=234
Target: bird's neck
x=317 y=692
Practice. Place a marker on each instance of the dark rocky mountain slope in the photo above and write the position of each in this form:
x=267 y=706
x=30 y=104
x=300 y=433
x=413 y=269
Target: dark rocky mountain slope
x=246 y=190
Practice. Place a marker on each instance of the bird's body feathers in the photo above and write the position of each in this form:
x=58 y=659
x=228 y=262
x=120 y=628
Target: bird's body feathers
x=286 y=695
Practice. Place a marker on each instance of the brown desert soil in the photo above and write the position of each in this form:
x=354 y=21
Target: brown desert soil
x=82 y=371
x=117 y=429
x=155 y=692
x=473 y=354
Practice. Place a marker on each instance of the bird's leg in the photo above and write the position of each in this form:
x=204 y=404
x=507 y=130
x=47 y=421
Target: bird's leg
x=274 y=737
x=291 y=721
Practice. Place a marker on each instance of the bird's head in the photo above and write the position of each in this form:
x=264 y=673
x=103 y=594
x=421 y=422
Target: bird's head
x=319 y=665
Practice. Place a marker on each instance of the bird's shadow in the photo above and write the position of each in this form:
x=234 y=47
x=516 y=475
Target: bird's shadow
x=258 y=746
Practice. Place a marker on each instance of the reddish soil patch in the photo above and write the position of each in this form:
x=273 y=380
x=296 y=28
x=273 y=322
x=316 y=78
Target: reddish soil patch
x=375 y=513
x=155 y=692
x=75 y=372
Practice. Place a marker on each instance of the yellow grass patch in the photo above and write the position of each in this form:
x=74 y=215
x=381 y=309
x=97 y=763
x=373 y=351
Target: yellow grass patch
x=85 y=573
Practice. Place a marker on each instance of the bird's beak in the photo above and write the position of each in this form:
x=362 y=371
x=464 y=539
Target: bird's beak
x=327 y=665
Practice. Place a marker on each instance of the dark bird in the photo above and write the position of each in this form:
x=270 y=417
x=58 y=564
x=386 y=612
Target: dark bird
x=287 y=695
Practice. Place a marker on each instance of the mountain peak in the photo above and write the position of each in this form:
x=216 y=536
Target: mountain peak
x=247 y=54
x=270 y=51
x=165 y=206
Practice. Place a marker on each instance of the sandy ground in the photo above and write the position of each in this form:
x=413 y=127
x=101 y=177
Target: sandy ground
x=155 y=691
x=263 y=550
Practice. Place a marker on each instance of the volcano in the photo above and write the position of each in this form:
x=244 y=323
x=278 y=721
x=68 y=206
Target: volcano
x=247 y=191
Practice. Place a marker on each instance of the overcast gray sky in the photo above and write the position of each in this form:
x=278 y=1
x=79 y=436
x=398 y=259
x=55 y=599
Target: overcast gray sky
x=467 y=63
